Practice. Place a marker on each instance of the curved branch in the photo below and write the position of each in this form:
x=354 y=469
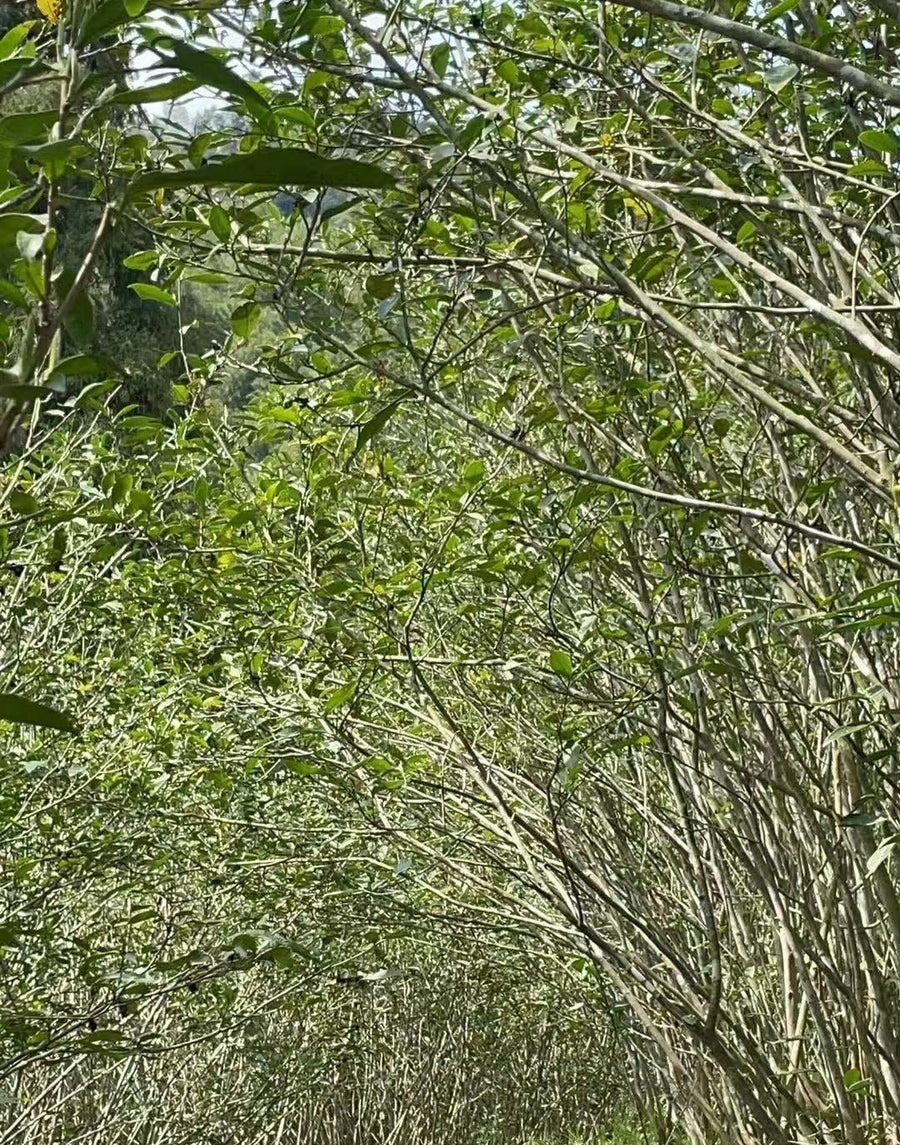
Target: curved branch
x=744 y=34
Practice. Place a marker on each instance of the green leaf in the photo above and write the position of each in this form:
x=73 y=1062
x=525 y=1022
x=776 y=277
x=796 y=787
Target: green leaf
x=22 y=393
x=380 y=285
x=159 y=92
x=220 y=223
x=102 y=1038
x=16 y=709
x=508 y=71
x=103 y=19
x=779 y=77
x=57 y=149
x=210 y=71
x=121 y=486
x=134 y=8
x=606 y=310
x=29 y=246
x=269 y=167
x=472 y=132
x=880 y=141
x=141 y=260
x=339 y=697
x=326 y=26
x=11 y=224
x=151 y=293
x=561 y=662
x=54 y=157
x=861 y=819
x=208 y=276
x=440 y=58
x=781 y=9
x=84 y=365
x=882 y=853
x=473 y=472
x=9 y=292
x=375 y=424
x=26 y=126
x=245 y=319
x=868 y=167
x=22 y=502
x=746 y=231
x=842 y=733
x=29 y=272
x=12 y=69
x=651 y=264
x=14 y=37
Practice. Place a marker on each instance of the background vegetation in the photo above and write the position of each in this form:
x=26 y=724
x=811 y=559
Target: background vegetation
x=449 y=565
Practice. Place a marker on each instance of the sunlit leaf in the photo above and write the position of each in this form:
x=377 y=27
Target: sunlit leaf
x=882 y=853
x=880 y=141
x=339 y=697
x=151 y=293
x=780 y=76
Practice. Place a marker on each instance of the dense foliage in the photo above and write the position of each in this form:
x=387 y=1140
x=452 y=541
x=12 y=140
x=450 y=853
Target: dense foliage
x=483 y=647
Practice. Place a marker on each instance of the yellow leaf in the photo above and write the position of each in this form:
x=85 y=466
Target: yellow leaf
x=50 y=9
x=638 y=209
